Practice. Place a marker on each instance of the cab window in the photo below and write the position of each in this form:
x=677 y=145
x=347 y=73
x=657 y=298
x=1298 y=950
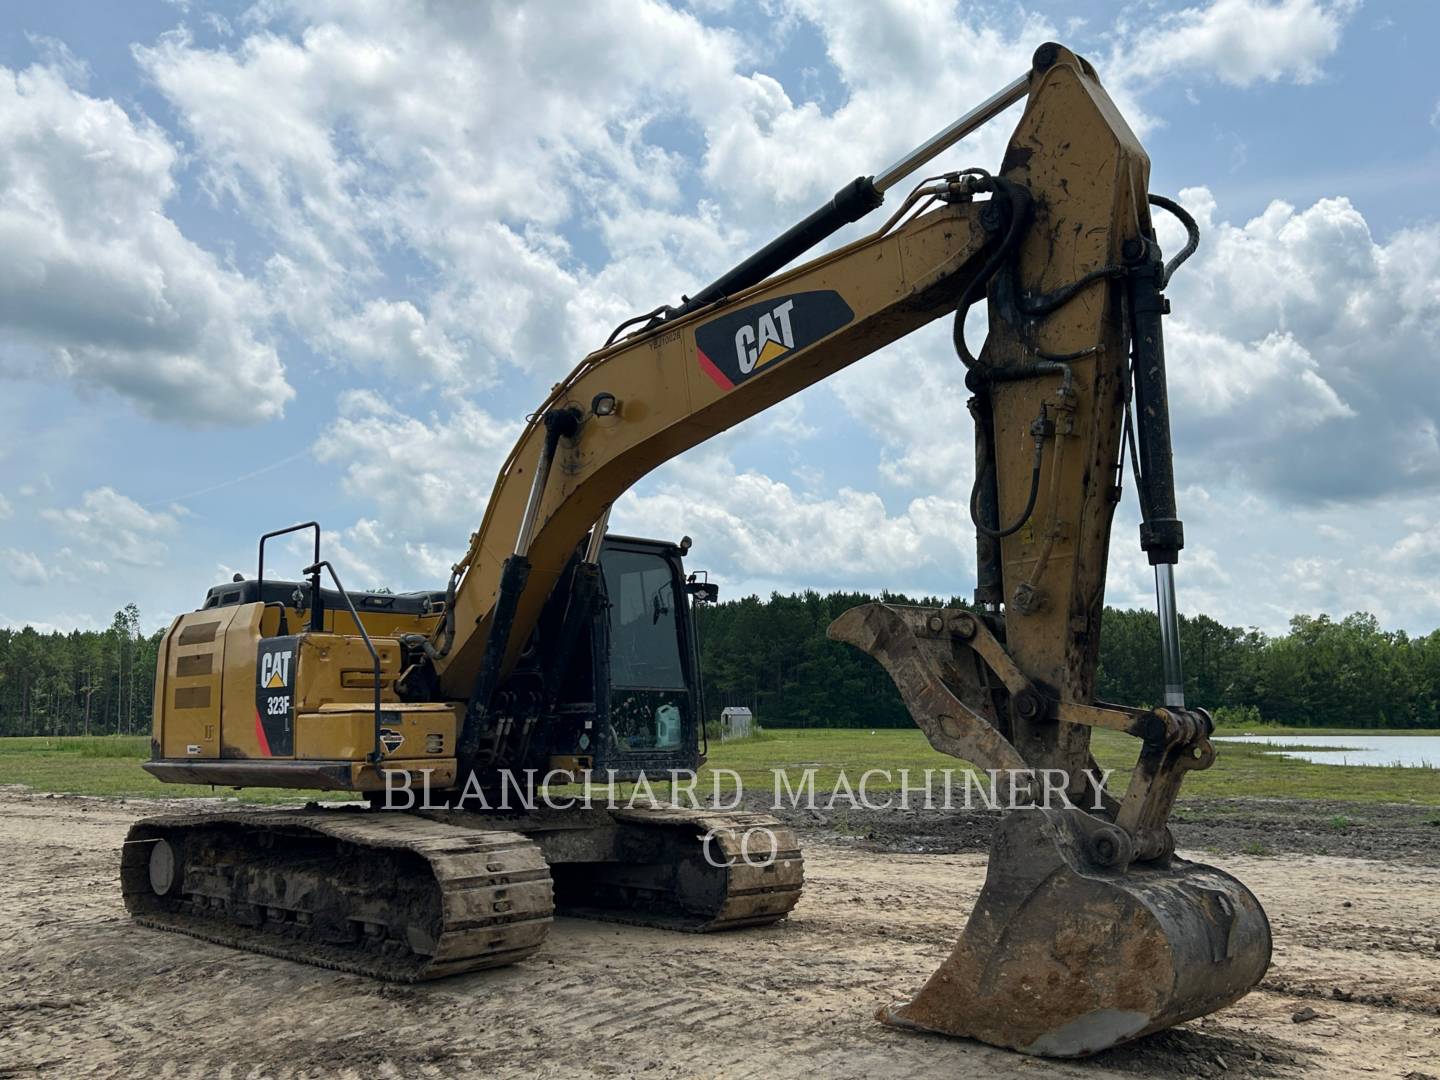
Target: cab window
x=644 y=621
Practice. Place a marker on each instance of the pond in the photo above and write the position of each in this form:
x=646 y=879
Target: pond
x=1403 y=751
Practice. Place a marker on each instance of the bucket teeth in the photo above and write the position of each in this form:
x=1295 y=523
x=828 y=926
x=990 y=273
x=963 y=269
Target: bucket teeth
x=1069 y=952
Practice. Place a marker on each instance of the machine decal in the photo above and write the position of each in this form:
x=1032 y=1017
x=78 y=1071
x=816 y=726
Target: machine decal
x=738 y=344
x=391 y=739
x=276 y=667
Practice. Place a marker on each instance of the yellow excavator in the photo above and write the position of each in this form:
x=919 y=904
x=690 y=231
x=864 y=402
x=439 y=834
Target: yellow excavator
x=560 y=651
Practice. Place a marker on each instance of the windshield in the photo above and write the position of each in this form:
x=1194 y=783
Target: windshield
x=644 y=632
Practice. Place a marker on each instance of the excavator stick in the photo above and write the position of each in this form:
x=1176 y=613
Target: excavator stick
x=1089 y=931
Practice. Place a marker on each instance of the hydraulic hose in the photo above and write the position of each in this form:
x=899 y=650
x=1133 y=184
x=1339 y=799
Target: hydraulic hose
x=1000 y=533
x=1192 y=234
x=1018 y=200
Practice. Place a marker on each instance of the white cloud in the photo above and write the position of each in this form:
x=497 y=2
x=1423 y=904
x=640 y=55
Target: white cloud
x=1302 y=351
x=115 y=525
x=786 y=422
x=98 y=284
x=475 y=145
x=64 y=622
x=1249 y=563
x=25 y=566
x=461 y=137
x=372 y=554
x=1419 y=549
x=912 y=397
x=42 y=484
x=396 y=335
x=757 y=529
x=5 y=509
x=426 y=481
x=29 y=568
x=1275 y=377
x=764 y=150
x=1239 y=42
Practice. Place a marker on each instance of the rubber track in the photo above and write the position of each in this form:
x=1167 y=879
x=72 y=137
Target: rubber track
x=496 y=896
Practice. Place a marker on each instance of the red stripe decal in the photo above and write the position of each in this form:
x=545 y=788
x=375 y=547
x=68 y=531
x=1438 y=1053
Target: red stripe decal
x=708 y=366
x=260 y=735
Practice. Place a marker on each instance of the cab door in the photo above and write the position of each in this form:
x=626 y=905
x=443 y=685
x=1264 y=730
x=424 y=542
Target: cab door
x=648 y=702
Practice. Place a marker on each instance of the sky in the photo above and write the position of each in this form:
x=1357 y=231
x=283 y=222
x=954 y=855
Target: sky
x=294 y=259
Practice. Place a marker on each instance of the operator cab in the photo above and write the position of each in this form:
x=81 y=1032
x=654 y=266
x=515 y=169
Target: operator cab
x=633 y=701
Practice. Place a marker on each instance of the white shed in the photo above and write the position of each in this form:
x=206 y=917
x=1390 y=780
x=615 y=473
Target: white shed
x=736 y=722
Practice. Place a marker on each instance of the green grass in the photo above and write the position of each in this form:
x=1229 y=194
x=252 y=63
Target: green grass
x=111 y=766
x=1241 y=770
x=1222 y=728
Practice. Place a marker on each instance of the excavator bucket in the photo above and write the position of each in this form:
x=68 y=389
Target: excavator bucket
x=1065 y=955
x=1075 y=944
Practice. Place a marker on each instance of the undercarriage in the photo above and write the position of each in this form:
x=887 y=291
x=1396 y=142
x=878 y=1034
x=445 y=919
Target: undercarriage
x=408 y=897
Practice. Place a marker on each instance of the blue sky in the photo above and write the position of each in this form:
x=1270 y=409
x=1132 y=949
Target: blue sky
x=315 y=259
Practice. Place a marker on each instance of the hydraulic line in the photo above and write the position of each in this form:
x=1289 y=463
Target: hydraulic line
x=1039 y=429
x=1018 y=200
x=1192 y=234
x=1052 y=533
x=1000 y=533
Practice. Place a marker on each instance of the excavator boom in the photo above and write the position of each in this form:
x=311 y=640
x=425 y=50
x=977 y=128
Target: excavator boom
x=637 y=404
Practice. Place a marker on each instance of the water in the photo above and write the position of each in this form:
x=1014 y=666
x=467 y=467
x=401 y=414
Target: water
x=1405 y=751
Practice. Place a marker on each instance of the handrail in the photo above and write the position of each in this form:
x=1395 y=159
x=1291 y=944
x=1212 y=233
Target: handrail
x=317 y=605
x=377 y=753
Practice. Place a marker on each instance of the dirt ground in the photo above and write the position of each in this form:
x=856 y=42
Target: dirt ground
x=85 y=992
x=1251 y=826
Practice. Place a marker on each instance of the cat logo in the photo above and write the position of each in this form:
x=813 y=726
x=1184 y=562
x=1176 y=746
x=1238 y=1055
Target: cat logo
x=771 y=336
x=740 y=344
x=275 y=669
x=391 y=739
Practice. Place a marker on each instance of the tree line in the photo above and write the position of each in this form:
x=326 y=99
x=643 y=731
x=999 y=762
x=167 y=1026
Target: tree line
x=773 y=657
x=84 y=682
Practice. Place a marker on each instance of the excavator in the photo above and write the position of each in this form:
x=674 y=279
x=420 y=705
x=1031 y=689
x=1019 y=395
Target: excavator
x=560 y=650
